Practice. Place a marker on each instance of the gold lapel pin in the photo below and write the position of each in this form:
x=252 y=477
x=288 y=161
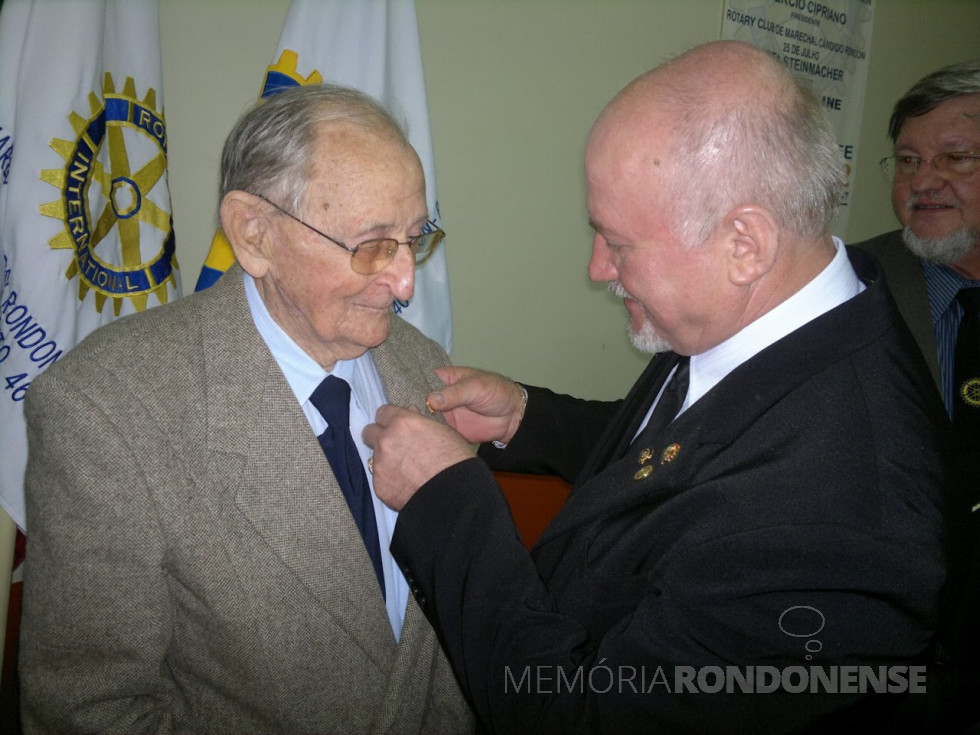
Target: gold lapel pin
x=970 y=392
x=645 y=456
x=670 y=454
x=644 y=472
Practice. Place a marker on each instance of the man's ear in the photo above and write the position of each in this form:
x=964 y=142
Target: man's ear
x=753 y=244
x=246 y=225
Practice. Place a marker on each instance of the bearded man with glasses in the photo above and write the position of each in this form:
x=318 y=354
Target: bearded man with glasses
x=207 y=551
x=933 y=270
x=935 y=177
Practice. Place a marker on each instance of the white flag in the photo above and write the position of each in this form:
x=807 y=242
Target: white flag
x=85 y=227
x=372 y=45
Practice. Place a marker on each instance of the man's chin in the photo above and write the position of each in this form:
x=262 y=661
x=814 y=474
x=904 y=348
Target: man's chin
x=943 y=250
x=375 y=331
x=647 y=340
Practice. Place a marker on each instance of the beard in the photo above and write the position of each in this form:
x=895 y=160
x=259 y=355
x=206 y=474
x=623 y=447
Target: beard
x=646 y=339
x=942 y=250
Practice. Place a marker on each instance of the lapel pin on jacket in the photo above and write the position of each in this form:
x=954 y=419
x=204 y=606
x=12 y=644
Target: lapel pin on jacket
x=670 y=453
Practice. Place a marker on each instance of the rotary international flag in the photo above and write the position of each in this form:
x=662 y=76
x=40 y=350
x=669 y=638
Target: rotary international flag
x=85 y=228
x=372 y=45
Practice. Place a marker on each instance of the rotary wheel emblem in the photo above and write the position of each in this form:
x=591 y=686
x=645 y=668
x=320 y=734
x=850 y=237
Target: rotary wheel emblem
x=970 y=392
x=114 y=190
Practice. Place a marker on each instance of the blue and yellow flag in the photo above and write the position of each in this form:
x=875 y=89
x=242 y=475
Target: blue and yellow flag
x=85 y=228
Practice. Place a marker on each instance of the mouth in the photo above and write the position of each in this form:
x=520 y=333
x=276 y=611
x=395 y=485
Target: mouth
x=377 y=308
x=616 y=289
x=926 y=206
x=633 y=307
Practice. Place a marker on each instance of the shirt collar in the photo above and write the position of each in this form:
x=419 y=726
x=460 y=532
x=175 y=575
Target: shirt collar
x=302 y=372
x=942 y=284
x=834 y=285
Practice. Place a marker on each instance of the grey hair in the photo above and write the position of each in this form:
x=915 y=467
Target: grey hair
x=926 y=94
x=269 y=151
x=781 y=153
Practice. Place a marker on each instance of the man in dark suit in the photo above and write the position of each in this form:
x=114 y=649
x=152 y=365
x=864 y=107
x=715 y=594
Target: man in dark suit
x=765 y=507
x=932 y=266
x=935 y=174
x=195 y=562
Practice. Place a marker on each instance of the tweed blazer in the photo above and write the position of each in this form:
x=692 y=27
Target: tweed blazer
x=193 y=565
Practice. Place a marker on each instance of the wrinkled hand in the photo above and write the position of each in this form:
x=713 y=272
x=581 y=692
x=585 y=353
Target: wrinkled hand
x=481 y=406
x=409 y=450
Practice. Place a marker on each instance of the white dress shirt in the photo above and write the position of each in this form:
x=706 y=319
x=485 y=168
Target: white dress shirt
x=304 y=374
x=834 y=285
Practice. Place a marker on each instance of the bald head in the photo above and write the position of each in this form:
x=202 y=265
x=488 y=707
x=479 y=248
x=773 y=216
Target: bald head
x=720 y=75
x=725 y=125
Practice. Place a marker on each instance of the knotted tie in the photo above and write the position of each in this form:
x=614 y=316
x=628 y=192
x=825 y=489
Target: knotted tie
x=966 y=382
x=671 y=399
x=332 y=399
x=669 y=404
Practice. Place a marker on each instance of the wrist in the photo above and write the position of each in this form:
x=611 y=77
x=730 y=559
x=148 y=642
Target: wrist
x=515 y=422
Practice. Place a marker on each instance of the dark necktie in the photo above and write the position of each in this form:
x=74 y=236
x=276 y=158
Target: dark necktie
x=671 y=399
x=966 y=382
x=332 y=399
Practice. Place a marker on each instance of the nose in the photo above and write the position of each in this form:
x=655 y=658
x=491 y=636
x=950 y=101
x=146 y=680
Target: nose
x=601 y=265
x=926 y=177
x=399 y=274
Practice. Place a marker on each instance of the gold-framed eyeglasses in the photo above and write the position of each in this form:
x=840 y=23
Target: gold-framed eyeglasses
x=951 y=165
x=372 y=256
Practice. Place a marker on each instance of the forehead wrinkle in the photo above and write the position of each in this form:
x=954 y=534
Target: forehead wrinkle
x=352 y=168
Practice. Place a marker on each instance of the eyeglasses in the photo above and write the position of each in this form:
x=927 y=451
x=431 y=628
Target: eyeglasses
x=372 y=256
x=951 y=166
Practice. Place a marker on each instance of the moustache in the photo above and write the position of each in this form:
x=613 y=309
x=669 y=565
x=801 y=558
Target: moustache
x=617 y=290
x=913 y=200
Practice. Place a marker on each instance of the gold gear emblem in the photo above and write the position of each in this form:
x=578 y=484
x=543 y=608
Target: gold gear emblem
x=970 y=392
x=284 y=74
x=121 y=148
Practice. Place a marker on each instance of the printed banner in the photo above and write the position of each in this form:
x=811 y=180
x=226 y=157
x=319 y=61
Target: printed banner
x=826 y=45
x=372 y=45
x=85 y=228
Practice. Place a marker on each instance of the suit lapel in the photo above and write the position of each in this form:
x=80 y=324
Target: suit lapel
x=406 y=381
x=624 y=425
x=652 y=464
x=908 y=286
x=277 y=478
x=606 y=482
x=413 y=663
x=721 y=415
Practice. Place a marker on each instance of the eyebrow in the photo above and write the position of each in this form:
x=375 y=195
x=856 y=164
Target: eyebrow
x=955 y=143
x=378 y=227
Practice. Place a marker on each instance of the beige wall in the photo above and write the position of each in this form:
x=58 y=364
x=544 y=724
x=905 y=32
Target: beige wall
x=513 y=87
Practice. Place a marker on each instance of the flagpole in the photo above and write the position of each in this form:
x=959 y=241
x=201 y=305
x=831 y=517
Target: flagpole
x=8 y=537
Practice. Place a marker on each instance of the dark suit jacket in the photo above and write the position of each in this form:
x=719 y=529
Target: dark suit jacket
x=907 y=283
x=794 y=516
x=193 y=565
